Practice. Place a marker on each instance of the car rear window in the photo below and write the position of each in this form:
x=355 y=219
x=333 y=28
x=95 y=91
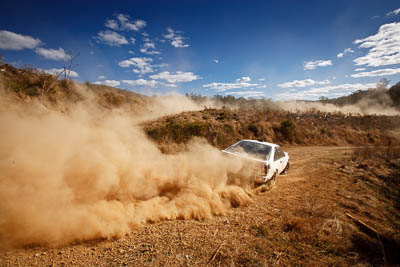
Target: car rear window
x=255 y=150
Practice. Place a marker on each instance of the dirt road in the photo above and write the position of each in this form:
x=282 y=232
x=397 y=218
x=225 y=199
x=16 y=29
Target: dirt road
x=299 y=221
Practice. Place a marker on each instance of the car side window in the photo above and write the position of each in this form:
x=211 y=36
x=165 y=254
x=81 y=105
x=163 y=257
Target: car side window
x=280 y=153
x=276 y=155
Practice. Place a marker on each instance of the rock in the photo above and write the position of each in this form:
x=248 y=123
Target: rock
x=121 y=251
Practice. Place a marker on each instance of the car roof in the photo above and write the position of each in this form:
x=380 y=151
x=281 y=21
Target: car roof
x=259 y=142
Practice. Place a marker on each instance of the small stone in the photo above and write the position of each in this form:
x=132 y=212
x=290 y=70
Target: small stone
x=37 y=255
x=121 y=251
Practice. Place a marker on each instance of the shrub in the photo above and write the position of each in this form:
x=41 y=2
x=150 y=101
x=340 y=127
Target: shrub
x=288 y=130
x=254 y=129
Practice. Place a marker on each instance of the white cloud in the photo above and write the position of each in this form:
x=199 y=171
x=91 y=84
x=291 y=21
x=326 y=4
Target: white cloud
x=310 y=65
x=101 y=77
x=244 y=79
x=54 y=71
x=360 y=69
x=247 y=94
x=329 y=91
x=345 y=51
x=142 y=64
x=149 y=49
x=261 y=79
x=141 y=82
x=175 y=38
x=394 y=12
x=111 y=38
x=15 y=41
x=112 y=24
x=53 y=54
x=175 y=78
x=108 y=83
x=302 y=83
x=216 y=61
x=375 y=73
x=243 y=82
x=384 y=47
x=127 y=24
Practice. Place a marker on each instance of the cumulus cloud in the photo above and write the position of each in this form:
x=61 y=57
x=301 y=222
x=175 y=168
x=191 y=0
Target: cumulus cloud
x=384 y=47
x=243 y=82
x=179 y=77
x=141 y=82
x=244 y=79
x=330 y=91
x=345 y=51
x=53 y=54
x=175 y=38
x=142 y=64
x=15 y=41
x=111 y=38
x=149 y=48
x=54 y=71
x=394 y=12
x=313 y=64
x=375 y=73
x=101 y=77
x=112 y=24
x=302 y=83
x=130 y=25
x=108 y=83
x=216 y=61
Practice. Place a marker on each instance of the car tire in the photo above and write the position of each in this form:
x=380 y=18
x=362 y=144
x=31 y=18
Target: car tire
x=286 y=169
x=271 y=182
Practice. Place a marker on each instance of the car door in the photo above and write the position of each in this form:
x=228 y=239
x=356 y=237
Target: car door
x=276 y=164
x=280 y=159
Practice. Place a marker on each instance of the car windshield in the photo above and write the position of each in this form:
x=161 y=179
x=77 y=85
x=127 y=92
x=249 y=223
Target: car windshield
x=252 y=149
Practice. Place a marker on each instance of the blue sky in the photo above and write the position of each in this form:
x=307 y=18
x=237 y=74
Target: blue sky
x=273 y=49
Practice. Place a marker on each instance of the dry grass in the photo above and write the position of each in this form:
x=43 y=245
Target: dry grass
x=223 y=127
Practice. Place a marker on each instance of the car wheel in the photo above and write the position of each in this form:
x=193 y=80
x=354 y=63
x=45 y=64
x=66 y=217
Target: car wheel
x=272 y=181
x=286 y=169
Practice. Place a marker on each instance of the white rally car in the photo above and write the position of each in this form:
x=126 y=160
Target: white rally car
x=273 y=160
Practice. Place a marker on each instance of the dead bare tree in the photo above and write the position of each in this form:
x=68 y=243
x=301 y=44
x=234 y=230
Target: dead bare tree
x=47 y=81
x=68 y=69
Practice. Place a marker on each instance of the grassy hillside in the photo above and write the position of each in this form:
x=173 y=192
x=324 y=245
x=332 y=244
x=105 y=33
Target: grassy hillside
x=222 y=127
x=252 y=119
x=27 y=84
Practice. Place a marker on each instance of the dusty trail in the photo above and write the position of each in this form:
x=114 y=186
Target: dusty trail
x=289 y=224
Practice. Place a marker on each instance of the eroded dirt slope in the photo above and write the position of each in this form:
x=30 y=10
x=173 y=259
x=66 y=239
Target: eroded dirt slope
x=300 y=221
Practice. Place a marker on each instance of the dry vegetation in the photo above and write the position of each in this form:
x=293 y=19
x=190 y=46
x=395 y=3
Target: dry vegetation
x=223 y=127
x=339 y=205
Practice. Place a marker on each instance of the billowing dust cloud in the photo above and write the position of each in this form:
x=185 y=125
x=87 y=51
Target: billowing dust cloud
x=363 y=107
x=90 y=173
